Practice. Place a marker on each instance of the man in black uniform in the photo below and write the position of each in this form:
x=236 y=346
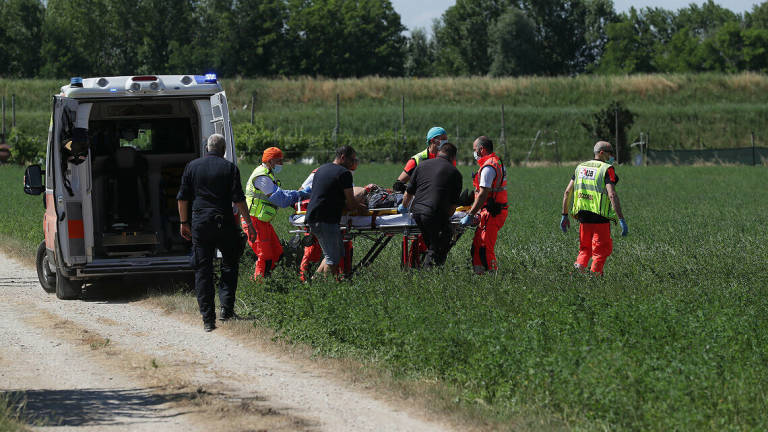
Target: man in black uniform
x=212 y=184
x=331 y=193
x=434 y=188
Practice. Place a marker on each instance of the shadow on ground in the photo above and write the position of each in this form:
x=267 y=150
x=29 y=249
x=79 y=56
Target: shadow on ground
x=134 y=288
x=91 y=407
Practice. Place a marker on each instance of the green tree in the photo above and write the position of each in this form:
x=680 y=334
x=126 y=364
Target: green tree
x=756 y=49
x=461 y=36
x=603 y=126
x=259 y=36
x=419 y=54
x=513 y=45
x=757 y=17
x=75 y=43
x=635 y=40
x=21 y=33
x=571 y=33
x=166 y=29
x=343 y=38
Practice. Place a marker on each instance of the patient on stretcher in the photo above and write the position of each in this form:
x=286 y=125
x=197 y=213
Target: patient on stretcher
x=372 y=195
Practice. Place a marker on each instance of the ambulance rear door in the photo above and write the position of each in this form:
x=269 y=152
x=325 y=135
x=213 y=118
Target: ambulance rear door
x=221 y=123
x=72 y=181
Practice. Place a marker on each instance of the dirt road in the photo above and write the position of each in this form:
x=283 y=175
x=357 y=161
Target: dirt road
x=114 y=365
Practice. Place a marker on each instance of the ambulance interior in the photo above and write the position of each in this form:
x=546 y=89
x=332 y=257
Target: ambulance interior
x=138 y=154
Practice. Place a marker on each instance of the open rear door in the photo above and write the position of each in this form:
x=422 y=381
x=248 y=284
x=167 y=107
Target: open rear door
x=72 y=182
x=221 y=123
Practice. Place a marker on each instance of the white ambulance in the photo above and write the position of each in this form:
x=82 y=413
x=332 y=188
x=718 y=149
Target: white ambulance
x=117 y=147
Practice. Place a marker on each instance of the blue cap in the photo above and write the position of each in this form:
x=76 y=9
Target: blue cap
x=435 y=131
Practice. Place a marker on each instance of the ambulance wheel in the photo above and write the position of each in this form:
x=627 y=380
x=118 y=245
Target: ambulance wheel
x=67 y=289
x=45 y=271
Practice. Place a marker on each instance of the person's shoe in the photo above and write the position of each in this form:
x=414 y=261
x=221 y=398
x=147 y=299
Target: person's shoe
x=209 y=327
x=478 y=269
x=227 y=315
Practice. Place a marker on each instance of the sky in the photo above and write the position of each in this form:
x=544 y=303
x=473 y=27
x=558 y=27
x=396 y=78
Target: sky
x=420 y=13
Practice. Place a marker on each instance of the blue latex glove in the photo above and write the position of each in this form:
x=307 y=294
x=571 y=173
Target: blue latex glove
x=624 y=227
x=565 y=223
x=401 y=209
x=305 y=193
x=284 y=198
x=467 y=220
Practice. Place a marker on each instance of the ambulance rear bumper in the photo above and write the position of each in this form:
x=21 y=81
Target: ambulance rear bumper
x=134 y=266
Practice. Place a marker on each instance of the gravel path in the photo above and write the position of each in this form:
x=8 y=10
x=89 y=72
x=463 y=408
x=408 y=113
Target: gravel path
x=115 y=365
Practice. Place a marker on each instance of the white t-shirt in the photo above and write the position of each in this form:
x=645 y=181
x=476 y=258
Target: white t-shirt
x=264 y=184
x=487 y=174
x=308 y=181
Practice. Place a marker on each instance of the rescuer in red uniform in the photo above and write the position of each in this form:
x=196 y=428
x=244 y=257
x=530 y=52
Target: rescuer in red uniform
x=490 y=204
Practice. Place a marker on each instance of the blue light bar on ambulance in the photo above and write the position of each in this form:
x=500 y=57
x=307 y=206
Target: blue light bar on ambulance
x=76 y=82
x=210 y=78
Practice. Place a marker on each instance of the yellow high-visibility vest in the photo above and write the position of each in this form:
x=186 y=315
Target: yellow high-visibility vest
x=258 y=202
x=589 y=190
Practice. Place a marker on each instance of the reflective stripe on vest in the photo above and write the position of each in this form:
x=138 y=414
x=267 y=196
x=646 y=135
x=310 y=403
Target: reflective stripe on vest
x=258 y=202
x=498 y=188
x=590 y=193
x=418 y=157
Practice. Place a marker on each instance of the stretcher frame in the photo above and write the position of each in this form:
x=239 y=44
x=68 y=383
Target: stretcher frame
x=381 y=236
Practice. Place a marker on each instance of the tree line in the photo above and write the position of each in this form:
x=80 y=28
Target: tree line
x=353 y=38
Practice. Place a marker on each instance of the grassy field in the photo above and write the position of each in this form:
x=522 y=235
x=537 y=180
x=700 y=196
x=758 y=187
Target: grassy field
x=675 y=336
x=10 y=414
x=678 y=111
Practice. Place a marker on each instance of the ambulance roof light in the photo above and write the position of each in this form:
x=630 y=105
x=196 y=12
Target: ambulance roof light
x=76 y=82
x=210 y=78
x=144 y=78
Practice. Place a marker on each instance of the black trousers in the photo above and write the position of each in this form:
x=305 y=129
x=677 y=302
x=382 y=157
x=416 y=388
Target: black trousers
x=437 y=233
x=209 y=232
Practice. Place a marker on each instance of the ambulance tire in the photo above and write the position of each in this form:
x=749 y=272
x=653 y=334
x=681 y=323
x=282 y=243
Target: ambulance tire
x=45 y=275
x=67 y=289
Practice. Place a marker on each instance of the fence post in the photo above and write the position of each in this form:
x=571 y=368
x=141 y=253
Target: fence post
x=616 y=128
x=503 y=137
x=754 y=154
x=457 y=134
x=253 y=104
x=337 y=127
x=647 y=146
x=394 y=144
x=13 y=111
x=402 y=125
x=2 y=138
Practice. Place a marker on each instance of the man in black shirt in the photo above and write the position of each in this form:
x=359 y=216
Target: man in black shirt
x=331 y=193
x=213 y=184
x=434 y=190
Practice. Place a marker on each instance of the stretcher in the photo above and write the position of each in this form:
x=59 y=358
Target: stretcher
x=380 y=226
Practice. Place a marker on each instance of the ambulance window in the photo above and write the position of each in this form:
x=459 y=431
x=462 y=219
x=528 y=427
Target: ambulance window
x=139 y=138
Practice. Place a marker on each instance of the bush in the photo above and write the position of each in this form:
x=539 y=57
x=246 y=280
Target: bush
x=24 y=149
x=252 y=139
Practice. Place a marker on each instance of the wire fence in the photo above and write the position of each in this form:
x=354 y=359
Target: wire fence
x=404 y=138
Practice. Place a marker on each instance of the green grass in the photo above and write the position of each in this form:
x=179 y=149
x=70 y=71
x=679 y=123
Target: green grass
x=678 y=111
x=21 y=214
x=675 y=336
x=10 y=413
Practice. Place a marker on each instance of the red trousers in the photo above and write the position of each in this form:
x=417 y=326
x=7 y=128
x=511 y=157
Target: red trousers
x=484 y=243
x=266 y=247
x=594 y=242
x=314 y=254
